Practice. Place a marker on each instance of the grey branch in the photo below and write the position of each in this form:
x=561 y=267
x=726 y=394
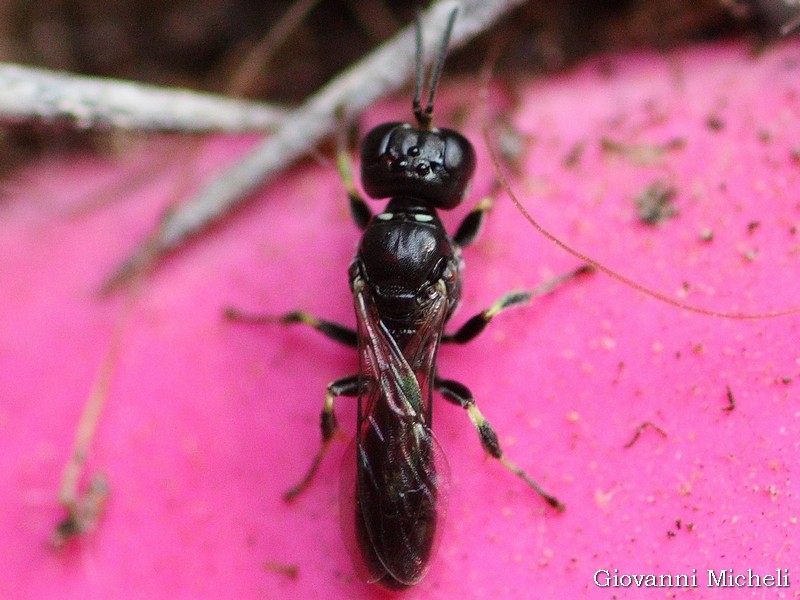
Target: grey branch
x=88 y=102
x=382 y=72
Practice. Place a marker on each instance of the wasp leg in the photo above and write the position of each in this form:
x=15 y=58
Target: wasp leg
x=338 y=333
x=459 y=394
x=346 y=386
x=359 y=210
x=474 y=326
x=471 y=225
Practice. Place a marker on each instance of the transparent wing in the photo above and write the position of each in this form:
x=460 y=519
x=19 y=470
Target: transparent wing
x=394 y=477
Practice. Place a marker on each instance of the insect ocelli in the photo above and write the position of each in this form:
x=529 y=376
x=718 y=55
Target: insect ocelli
x=406 y=282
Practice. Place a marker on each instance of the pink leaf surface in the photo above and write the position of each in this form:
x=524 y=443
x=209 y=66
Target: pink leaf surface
x=208 y=422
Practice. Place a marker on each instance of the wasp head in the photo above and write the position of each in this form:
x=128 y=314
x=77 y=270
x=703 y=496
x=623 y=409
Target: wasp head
x=434 y=165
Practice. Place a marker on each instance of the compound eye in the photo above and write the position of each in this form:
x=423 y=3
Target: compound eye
x=380 y=140
x=457 y=152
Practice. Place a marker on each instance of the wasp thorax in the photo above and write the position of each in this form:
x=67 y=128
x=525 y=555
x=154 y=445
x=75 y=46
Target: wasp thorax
x=434 y=165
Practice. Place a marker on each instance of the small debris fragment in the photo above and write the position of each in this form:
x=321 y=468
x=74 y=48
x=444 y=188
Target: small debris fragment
x=512 y=143
x=731 y=400
x=750 y=254
x=641 y=428
x=573 y=157
x=715 y=123
x=654 y=204
x=290 y=571
x=706 y=235
x=641 y=154
x=83 y=512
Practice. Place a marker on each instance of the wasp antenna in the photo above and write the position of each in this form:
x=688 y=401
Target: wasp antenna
x=417 y=102
x=439 y=65
x=424 y=117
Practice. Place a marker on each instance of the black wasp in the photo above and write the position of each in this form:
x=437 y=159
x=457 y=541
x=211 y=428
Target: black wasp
x=406 y=283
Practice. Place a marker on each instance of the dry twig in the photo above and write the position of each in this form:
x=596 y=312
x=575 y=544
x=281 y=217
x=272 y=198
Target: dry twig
x=384 y=71
x=93 y=102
